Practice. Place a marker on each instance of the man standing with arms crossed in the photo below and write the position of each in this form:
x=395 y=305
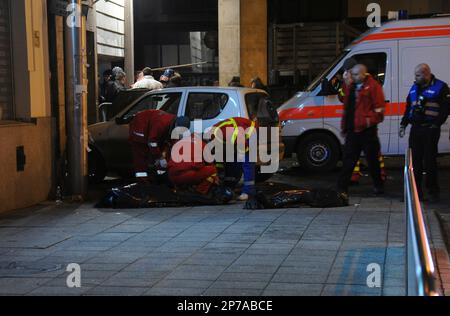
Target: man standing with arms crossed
x=364 y=107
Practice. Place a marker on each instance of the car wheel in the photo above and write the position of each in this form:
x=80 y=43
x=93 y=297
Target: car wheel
x=97 y=167
x=318 y=153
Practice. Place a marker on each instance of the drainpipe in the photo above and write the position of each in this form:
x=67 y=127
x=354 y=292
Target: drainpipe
x=76 y=100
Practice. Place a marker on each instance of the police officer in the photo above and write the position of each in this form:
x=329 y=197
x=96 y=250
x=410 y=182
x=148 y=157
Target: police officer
x=426 y=111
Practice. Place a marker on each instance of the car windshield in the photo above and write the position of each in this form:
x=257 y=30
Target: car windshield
x=325 y=73
x=124 y=99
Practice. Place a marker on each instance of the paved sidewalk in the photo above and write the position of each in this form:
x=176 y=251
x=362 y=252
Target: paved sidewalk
x=204 y=251
x=441 y=243
x=223 y=250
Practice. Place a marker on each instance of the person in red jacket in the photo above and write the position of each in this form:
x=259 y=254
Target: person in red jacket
x=189 y=173
x=228 y=133
x=150 y=136
x=364 y=108
x=347 y=82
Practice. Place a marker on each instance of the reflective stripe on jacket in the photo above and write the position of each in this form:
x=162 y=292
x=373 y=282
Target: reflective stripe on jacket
x=431 y=102
x=235 y=124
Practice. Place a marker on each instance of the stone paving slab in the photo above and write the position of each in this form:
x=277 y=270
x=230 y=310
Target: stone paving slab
x=438 y=236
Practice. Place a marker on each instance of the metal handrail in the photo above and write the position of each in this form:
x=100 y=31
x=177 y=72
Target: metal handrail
x=420 y=268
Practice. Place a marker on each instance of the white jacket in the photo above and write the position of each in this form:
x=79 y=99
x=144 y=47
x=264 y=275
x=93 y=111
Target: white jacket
x=148 y=83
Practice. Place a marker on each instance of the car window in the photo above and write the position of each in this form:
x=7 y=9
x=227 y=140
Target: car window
x=168 y=102
x=205 y=106
x=260 y=107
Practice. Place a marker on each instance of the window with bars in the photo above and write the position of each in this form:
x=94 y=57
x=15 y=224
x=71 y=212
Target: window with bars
x=6 y=77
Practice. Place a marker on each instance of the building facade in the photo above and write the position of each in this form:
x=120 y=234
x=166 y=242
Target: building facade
x=33 y=129
x=115 y=33
x=26 y=118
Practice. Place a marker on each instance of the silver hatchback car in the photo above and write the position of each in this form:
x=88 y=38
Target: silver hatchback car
x=108 y=141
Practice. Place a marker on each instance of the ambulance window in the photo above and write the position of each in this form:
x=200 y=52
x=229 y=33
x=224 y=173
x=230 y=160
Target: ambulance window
x=316 y=82
x=205 y=106
x=376 y=64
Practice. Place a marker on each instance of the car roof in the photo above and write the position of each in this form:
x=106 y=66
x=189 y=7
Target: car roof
x=209 y=89
x=241 y=91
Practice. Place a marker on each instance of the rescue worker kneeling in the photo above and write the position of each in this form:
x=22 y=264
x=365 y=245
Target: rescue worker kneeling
x=192 y=175
x=150 y=137
x=235 y=133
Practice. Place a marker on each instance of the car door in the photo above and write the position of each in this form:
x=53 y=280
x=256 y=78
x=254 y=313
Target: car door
x=119 y=153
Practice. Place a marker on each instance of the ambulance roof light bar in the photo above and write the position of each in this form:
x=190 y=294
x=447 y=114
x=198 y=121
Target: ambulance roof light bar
x=398 y=15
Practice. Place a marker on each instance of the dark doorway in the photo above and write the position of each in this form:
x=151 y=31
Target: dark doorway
x=178 y=32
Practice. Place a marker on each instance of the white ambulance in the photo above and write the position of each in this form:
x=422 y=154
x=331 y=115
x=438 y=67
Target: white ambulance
x=311 y=119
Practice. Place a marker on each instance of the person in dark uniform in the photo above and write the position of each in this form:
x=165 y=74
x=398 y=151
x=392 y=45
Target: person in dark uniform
x=427 y=110
x=364 y=107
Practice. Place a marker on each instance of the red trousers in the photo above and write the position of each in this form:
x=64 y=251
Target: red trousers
x=202 y=178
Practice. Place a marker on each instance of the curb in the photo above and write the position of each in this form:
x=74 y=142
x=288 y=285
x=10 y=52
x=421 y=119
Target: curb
x=439 y=252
